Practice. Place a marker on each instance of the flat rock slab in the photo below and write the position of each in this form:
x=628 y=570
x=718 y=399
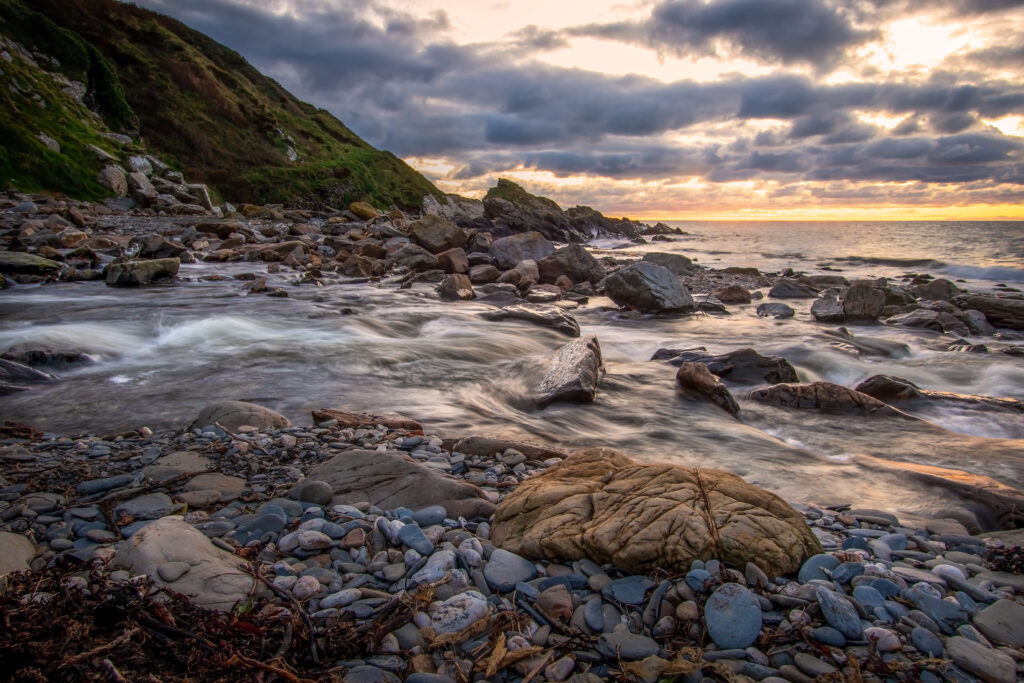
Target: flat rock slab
x=600 y=504
x=1003 y=622
x=234 y=414
x=177 y=464
x=355 y=420
x=823 y=396
x=16 y=553
x=984 y=662
x=214 y=579
x=539 y=314
x=390 y=480
x=572 y=374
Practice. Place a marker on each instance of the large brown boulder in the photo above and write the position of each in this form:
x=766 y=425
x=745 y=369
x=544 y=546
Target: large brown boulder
x=600 y=504
x=390 y=480
x=574 y=262
x=695 y=378
x=435 y=234
x=863 y=301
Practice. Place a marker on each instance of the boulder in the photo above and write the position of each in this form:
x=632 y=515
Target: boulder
x=453 y=261
x=676 y=263
x=231 y=415
x=539 y=314
x=213 y=578
x=390 y=480
x=483 y=274
x=413 y=257
x=828 y=309
x=572 y=374
x=356 y=420
x=16 y=373
x=114 y=179
x=733 y=294
x=787 y=288
x=886 y=388
x=599 y=504
x=508 y=251
x=936 y=290
x=573 y=262
x=142 y=189
x=435 y=234
x=823 y=396
x=695 y=378
x=512 y=209
x=938 y=321
x=1007 y=312
x=135 y=273
x=863 y=301
x=743 y=366
x=155 y=247
x=456 y=287
x=16 y=553
x=20 y=263
x=648 y=288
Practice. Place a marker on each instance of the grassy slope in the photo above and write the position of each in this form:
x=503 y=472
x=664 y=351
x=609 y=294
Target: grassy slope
x=204 y=109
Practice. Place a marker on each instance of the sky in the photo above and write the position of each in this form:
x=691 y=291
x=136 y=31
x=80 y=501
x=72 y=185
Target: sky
x=671 y=109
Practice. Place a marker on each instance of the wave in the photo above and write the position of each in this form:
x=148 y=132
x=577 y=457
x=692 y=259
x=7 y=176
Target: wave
x=952 y=270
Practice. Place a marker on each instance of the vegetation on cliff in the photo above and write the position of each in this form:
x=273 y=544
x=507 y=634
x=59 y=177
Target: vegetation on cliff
x=75 y=69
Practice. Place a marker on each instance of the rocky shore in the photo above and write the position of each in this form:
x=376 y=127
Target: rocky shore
x=361 y=548
x=391 y=554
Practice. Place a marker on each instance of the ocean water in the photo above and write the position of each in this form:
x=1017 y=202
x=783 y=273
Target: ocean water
x=161 y=353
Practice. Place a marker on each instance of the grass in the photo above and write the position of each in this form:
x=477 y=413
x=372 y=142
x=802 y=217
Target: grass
x=200 y=107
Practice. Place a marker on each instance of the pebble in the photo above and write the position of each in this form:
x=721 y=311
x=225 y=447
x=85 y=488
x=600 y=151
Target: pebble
x=504 y=570
x=458 y=612
x=883 y=639
x=984 y=662
x=626 y=645
x=428 y=516
x=926 y=642
x=305 y=587
x=814 y=566
x=828 y=636
x=732 y=616
x=839 y=613
x=630 y=590
x=412 y=536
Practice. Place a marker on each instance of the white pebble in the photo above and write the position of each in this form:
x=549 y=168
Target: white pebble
x=884 y=639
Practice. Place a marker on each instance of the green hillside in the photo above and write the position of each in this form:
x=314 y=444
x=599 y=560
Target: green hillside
x=74 y=69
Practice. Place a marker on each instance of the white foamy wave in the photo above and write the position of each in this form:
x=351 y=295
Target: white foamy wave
x=993 y=273
x=96 y=339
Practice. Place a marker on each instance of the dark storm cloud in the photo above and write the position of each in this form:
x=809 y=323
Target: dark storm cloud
x=397 y=80
x=813 y=32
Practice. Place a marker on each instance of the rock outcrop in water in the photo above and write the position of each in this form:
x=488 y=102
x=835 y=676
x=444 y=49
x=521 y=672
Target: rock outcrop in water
x=572 y=374
x=823 y=396
x=599 y=504
x=648 y=288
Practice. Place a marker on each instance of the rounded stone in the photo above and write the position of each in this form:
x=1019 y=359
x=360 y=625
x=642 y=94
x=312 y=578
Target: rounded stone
x=839 y=613
x=926 y=642
x=812 y=568
x=626 y=646
x=828 y=636
x=630 y=590
x=733 y=616
x=428 y=516
x=504 y=570
x=313 y=491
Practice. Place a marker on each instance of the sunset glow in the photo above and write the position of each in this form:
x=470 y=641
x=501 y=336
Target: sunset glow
x=816 y=109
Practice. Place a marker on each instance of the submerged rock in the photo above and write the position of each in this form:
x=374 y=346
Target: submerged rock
x=600 y=504
x=1001 y=311
x=540 y=314
x=743 y=366
x=863 y=302
x=573 y=373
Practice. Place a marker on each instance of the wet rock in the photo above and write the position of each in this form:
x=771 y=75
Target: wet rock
x=573 y=262
x=823 y=396
x=787 y=288
x=828 y=309
x=775 y=310
x=863 y=302
x=677 y=264
x=601 y=505
x=573 y=373
x=532 y=246
x=886 y=388
x=214 y=579
x=930 y=320
x=733 y=294
x=413 y=257
x=648 y=288
x=539 y=314
x=1001 y=311
x=20 y=263
x=743 y=366
x=733 y=616
x=16 y=553
x=939 y=289
x=456 y=287
x=232 y=415
x=18 y=374
x=390 y=480
x=695 y=378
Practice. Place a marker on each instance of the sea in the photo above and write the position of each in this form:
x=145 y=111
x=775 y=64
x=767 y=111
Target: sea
x=159 y=354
